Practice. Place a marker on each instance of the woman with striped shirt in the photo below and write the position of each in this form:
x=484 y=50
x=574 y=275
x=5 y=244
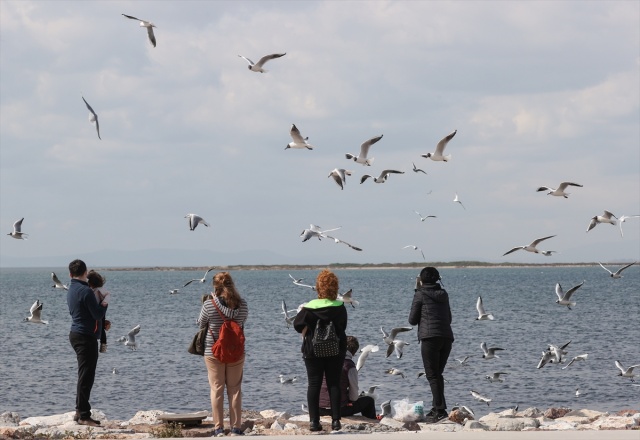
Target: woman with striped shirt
x=228 y=301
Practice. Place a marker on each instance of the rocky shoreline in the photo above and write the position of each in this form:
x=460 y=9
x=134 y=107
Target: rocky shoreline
x=146 y=424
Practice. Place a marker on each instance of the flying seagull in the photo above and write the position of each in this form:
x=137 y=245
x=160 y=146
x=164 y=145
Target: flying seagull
x=314 y=231
x=564 y=298
x=530 y=247
x=57 y=284
x=298 y=282
x=340 y=176
x=35 y=314
x=195 y=220
x=489 y=353
x=257 y=67
x=130 y=339
x=364 y=151
x=93 y=117
x=201 y=280
x=626 y=372
x=438 y=155
x=617 y=273
x=495 y=377
x=337 y=240
x=560 y=191
x=288 y=318
x=582 y=357
x=623 y=218
x=462 y=361
x=604 y=218
x=371 y=392
x=397 y=346
x=347 y=298
x=388 y=338
x=480 y=397
x=364 y=354
x=482 y=315
x=148 y=25
x=417 y=170
x=384 y=175
x=17 y=231
x=395 y=372
x=425 y=217
x=415 y=248
x=298 y=140
x=457 y=199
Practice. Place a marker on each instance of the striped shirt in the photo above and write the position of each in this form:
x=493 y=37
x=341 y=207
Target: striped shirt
x=209 y=316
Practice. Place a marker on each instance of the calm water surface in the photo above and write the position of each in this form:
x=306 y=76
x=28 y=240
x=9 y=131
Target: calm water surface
x=38 y=366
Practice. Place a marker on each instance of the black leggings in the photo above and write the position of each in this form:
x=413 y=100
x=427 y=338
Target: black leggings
x=317 y=368
x=435 y=353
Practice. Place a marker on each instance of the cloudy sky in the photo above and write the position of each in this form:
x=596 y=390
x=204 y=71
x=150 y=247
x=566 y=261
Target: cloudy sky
x=540 y=93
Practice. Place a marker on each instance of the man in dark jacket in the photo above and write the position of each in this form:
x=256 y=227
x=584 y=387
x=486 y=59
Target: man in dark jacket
x=86 y=327
x=431 y=312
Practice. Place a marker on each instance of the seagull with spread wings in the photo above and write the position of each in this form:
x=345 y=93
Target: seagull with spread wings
x=298 y=141
x=200 y=280
x=57 y=284
x=364 y=151
x=438 y=155
x=258 y=67
x=93 y=117
x=17 y=230
x=617 y=273
x=148 y=25
x=531 y=247
x=560 y=191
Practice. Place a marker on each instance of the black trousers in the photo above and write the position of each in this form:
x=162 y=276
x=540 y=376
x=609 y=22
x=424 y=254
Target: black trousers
x=317 y=368
x=435 y=353
x=86 y=348
x=365 y=405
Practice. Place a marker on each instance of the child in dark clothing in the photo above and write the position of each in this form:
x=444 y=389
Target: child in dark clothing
x=96 y=282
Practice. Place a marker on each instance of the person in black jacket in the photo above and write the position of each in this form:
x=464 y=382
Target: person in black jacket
x=326 y=308
x=431 y=312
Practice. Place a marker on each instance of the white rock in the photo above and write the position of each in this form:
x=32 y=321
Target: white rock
x=615 y=422
x=474 y=425
x=532 y=412
x=558 y=425
x=60 y=419
x=145 y=417
x=440 y=427
x=393 y=423
x=290 y=427
x=271 y=413
x=277 y=426
x=300 y=418
x=9 y=419
x=495 y=422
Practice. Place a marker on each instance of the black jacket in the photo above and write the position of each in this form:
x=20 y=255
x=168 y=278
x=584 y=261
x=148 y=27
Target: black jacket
x=430 y=311
x=325 y=310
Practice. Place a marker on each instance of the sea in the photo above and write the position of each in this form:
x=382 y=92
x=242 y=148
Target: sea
x=38 y=367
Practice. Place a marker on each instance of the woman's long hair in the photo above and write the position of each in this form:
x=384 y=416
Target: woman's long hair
x=224 y=288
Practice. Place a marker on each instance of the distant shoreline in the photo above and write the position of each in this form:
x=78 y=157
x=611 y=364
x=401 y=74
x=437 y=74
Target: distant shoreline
x=352 y=266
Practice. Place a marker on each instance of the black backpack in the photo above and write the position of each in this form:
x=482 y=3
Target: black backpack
x=325 y=340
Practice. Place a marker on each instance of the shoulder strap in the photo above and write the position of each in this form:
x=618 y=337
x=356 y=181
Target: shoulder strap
x=224 y=318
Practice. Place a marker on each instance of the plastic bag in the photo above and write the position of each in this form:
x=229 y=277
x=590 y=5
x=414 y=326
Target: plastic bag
x=405 y=411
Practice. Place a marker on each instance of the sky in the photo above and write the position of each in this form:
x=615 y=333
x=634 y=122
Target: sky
x=539 y=93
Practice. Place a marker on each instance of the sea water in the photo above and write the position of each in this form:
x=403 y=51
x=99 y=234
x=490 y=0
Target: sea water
x=38 y=367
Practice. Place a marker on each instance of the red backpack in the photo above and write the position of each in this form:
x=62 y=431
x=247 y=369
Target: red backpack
x=229 y=347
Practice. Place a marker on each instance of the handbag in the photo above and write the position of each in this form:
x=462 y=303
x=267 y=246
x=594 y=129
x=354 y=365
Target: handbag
x=197 y=343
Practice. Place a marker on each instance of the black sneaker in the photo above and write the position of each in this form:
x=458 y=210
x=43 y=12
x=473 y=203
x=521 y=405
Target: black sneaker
x=89 y=422
x=436 y=417
x=315 y=426
x=335 y=425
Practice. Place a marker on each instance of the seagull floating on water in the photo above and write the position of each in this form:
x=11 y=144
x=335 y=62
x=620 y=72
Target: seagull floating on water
x=148 y=25
x=438 y=155
x=623 y=218
x=93 y=117
x=173 y=291
x=340 y=176
x=384 y=175
x=257 y=67
x=482 y=315
x=287 y=380
x=298 y=140
x=564 y=298
x=195 y=220
x=617 y=273
x=560 y=191
x=364 y=151
x=395 y=372
x=604 y=218
x=201 y=280
x=57 y=284
x=35 y=314
x=364 y=354
x=530 y=247
x=17 y=231
x=489 y=353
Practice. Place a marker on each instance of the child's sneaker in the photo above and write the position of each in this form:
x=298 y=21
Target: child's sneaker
x=218 y=432
x=236 y=431
x=103 y=348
